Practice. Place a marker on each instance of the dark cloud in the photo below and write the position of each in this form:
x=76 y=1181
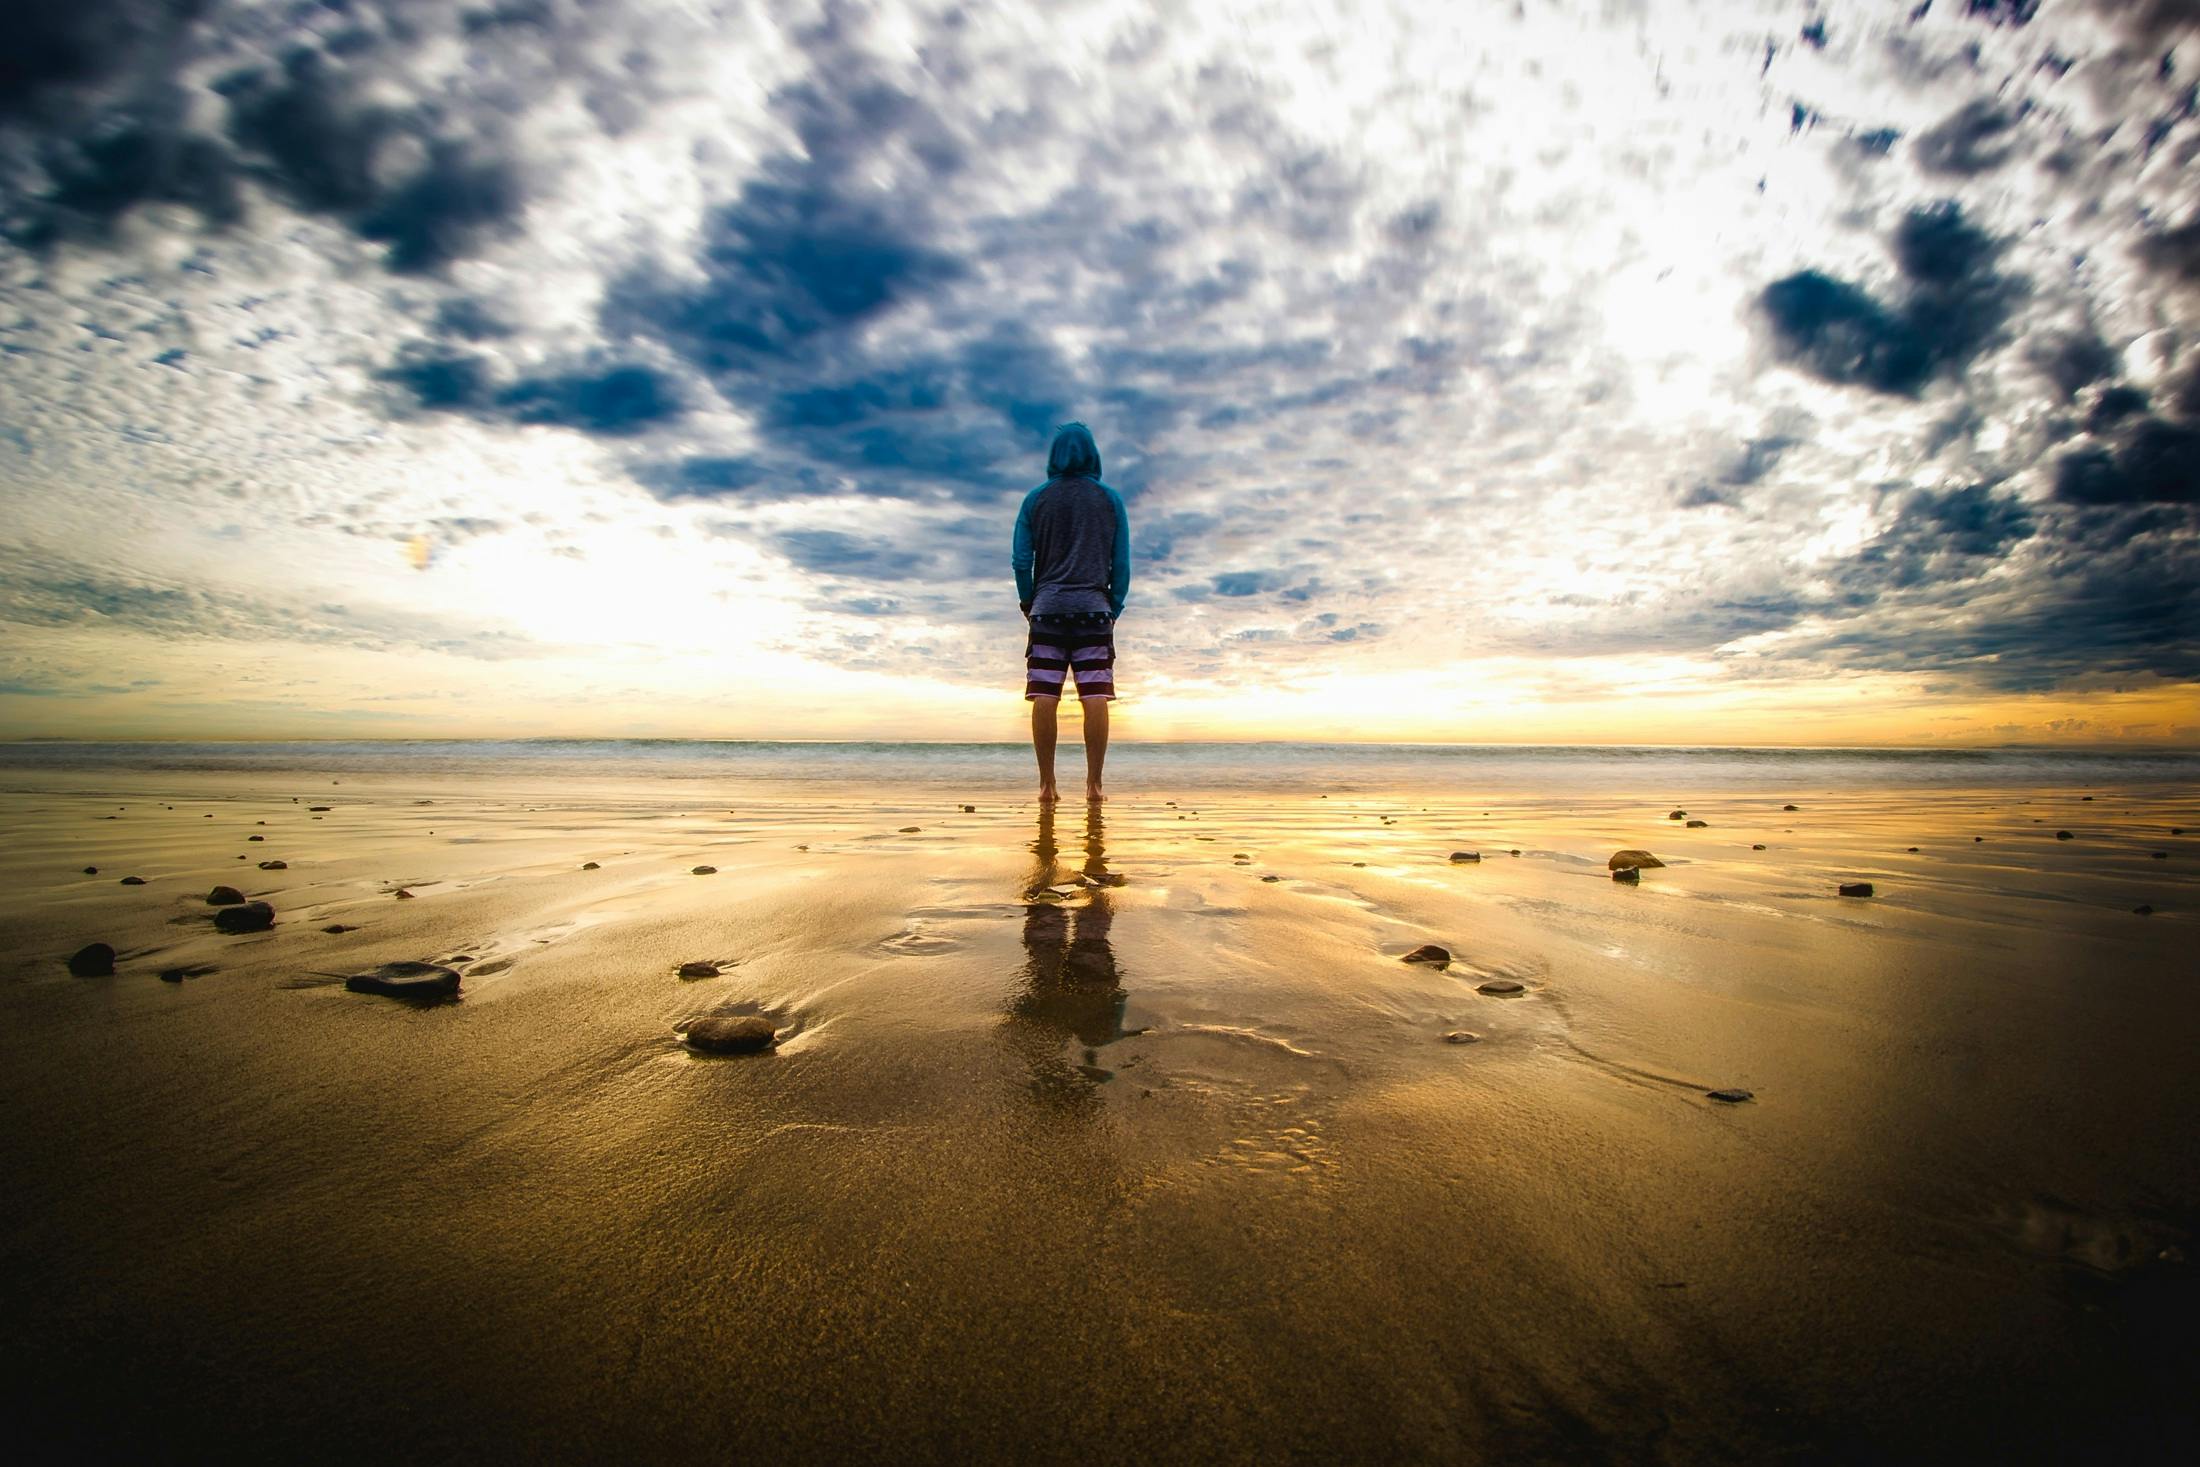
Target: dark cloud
x=124 y=161
x=58 y=51
x=617 y=401
x=2151 y=461
x=2070 y=359
x=1955 y=304
x=2174 y=252
x=1976 y=138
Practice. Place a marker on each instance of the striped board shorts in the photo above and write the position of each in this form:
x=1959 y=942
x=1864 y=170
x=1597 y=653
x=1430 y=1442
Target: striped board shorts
x=1082 y=648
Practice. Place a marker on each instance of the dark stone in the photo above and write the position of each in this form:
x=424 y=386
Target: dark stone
x=173 y=975
x=322 y=809
x=698 y=970
x=1856 y=888
x=2177 y=830
x=1978 y=840
x=2142 y=910
x=746 y=1034
x=224 y=896
x=1428 y=952
x=2064 y=835
x=1463 y=856
x=402 y=895
x=1627 y=859
x=274 y=865
x=590 y=866
x=251 y=917
x=1678 y=815
x=1462 y=1036
x=704 y=871
x=133 y=881
x=1757 y=848
x=91 y=870
x=1699 y=824
x=1791 y=807
x=1359 y=863
x=1513 y=852
x=1911 y=849
x=406 y=980
x=338 y=927
x=1498 y=985
x=1628 y=876
x=970 y=809
x=911 y=829
x=1271 y=878
x=2158 y=855
x=93 y=960
x=1731 y=1097
x=255 y=837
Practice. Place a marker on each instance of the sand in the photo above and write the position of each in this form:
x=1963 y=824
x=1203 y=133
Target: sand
x=1082 y=1141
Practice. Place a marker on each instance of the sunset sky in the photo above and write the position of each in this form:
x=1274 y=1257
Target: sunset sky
x=1615 y=372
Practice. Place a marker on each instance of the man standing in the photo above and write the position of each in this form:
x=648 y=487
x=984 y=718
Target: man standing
x=1072 y=556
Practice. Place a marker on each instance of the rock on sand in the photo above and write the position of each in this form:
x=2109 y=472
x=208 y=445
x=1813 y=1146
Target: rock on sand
x=406 y=980
x=224 y=896
x=274 y=865
x=704 y=871
x=251 y=917
x=1678 y=815
x=93 y=960
x=1463 y=856
x=1856 y=888
x=698 y=970
x=1731 y=1097
x=1699 y=825
x=1629 y=859
x=1428 y=952
x=1498 y=985
x=1462 y=1036
x=746 y=1034
x=591 y=866
x=1629 y=875
x=133 y=881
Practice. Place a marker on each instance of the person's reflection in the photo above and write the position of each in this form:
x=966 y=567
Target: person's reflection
x=1072 y=991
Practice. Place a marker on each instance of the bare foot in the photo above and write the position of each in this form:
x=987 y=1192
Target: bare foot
x=1093 y=795
x=1049 y=795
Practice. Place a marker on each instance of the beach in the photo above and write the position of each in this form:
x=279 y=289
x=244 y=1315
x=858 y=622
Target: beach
x=1101 y=1133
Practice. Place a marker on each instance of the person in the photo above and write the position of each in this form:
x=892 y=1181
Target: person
x=1071 y=552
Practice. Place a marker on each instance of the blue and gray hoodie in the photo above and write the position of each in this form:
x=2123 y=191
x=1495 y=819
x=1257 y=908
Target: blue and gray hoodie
x=1072 y=546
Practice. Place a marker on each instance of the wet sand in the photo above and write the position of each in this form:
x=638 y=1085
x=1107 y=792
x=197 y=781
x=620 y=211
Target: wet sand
x=1169 y=1163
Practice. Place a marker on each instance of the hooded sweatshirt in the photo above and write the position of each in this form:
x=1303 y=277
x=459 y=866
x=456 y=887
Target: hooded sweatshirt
x=1072 y=546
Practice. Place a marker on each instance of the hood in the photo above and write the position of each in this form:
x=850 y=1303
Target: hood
x=1074 y=452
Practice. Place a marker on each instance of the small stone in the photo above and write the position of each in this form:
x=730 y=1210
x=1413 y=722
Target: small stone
x=911 y=829
x=1514 y=851
x=461 y=958
x=224 y=896
x=1731 y=1097
x=1791 y=807
x=704 y=871
x=698 y=970
x=406 y=980
x=801 y=848
x=591 y=866
x=2177 y=830
x=274 y=865
x=1678 y=815
x=970 y=809
x=251 y=917
x=1911 y=849
x=1699 y=825
x=1628 y=876
x=173 y=975
x=255 y=837
x=1271 y=878
x=322 y=809
x=402 y=894
x=91 y=870
x=1856 y=888
x=2158 y=855
x=1359 y=863
x=133 y=881
x=2064 y=835
x=1462 y=1036
x=1428 y=952
x=338 y=927
x=746 y=1034
x=1240 y=856
x=1630 y=858
x=1498 y=985
x=2142 y=910
x=1978 y=840
x=93 y=960
x=1463 y=856
x=1757 y=847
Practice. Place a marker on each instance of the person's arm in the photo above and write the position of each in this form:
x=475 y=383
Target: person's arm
x=1020 y=558
x=1119 y=578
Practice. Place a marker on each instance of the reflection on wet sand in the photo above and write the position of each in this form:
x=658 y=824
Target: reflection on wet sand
x=1072 y=989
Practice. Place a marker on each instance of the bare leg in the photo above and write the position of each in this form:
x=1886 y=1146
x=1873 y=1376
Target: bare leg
x=1096 y=744
x=1042 y=744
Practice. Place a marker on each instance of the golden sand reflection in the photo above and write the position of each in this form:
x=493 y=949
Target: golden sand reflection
x=1072 y=990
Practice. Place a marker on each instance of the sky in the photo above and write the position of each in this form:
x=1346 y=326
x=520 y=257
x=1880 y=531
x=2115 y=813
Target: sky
x=1621 y=372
